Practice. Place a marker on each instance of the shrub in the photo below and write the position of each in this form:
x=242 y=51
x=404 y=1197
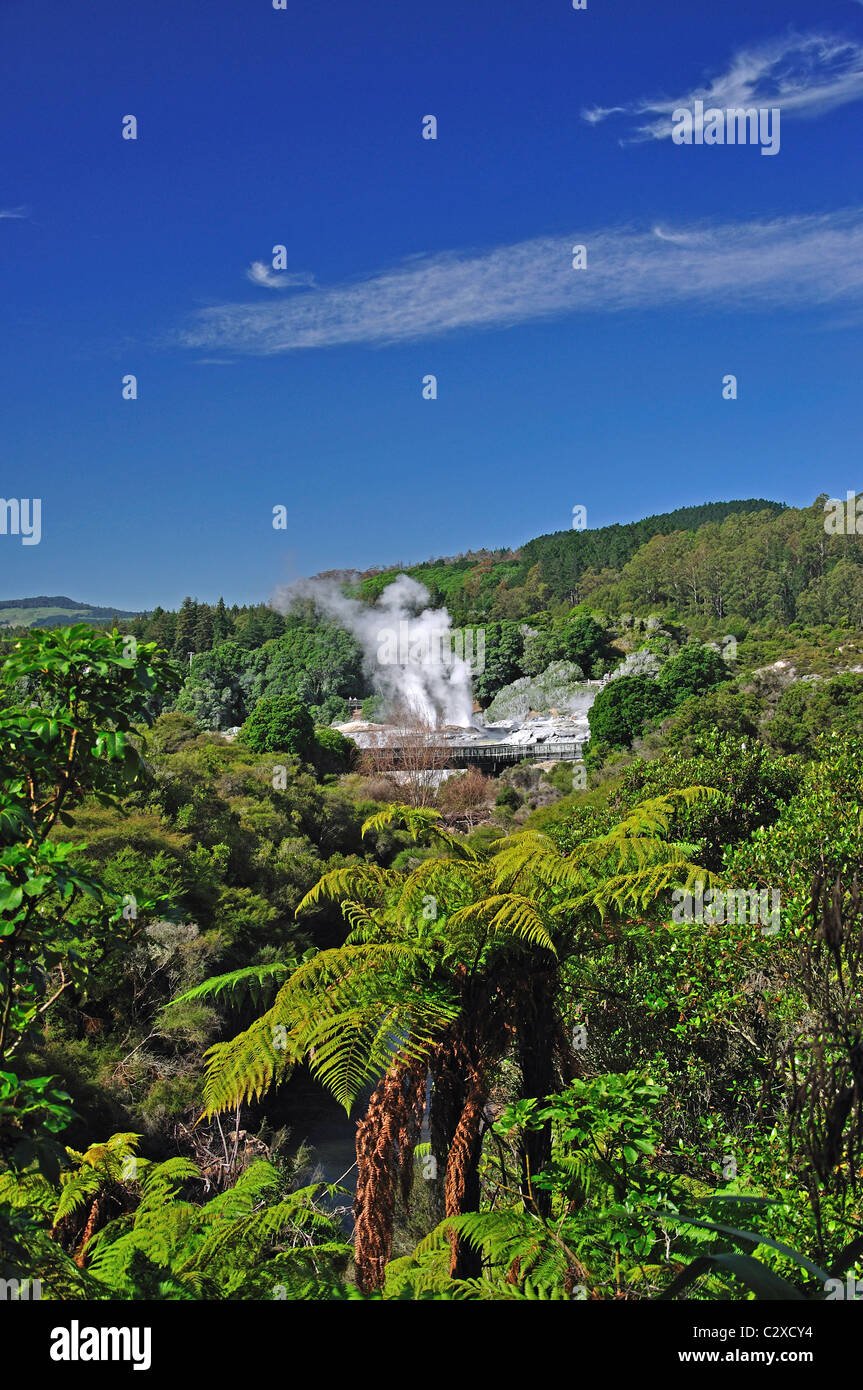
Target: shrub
x=623 y=707
x=334 y=753
x=508 y=799
x=280 y=724
x=692 y=672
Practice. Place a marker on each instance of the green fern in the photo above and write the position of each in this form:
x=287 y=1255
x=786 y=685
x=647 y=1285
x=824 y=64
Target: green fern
x=252 y=982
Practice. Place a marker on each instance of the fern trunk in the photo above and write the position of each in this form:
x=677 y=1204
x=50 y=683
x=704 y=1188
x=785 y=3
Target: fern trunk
x=459 y=1098
x=386 y=1138
x=537 y=1049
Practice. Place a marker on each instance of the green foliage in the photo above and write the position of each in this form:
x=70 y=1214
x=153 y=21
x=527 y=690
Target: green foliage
x=32 y=1112
x=69 y=701
x=623 y=707
x=692 y=672
x=504 y=645
x=333 y=753
x=817 y=831
x=282 y=921
x=403 y=974
x=808 y=709
x=509 y=799
x=721 y=710
x=752 y=782
x=254 y=1240
x=280 y=724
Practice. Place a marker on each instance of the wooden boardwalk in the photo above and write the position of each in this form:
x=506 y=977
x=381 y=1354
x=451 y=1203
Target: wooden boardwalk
x=501 y=754
x=493 y=757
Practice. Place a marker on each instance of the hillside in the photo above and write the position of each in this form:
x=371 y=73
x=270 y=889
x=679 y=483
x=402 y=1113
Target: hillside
x=751 y=561
x=57 y=611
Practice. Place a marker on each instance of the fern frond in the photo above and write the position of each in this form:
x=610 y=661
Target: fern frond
x=355 y=1046
x=448 y=882
x=246 y=1066
x=119 y=1146
x=416 y=820
x=419 y=821
x=364 y=923
x=506 y=914
x=503 y=1237
x=160 y=1182
x=528 y=853
x=251 y=981
x=365 y=881
x=653 y=816
x=76 y=1190
x=247 y=1234
x=635 y=889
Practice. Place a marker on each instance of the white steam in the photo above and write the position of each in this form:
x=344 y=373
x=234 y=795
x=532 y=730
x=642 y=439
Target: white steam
x=407 y=647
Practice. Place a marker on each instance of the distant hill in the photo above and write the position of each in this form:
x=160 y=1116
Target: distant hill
x=513 y=583
x=56 y=611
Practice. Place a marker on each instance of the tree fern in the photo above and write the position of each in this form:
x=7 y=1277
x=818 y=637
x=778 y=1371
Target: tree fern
x=419 y=821
x=505 y=915
x=252 y=981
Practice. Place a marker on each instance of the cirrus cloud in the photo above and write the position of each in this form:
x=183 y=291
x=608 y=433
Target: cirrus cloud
x=794 y=262
x=802 y=74
x=262 y=274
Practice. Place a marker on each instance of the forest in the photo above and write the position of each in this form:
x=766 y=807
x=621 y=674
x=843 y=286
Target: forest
x=578 y=1059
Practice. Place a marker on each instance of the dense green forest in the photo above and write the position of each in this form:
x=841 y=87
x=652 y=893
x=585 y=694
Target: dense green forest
x=599 y=1042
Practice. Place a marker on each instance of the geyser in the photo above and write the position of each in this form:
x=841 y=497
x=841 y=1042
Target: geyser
x=411 y=652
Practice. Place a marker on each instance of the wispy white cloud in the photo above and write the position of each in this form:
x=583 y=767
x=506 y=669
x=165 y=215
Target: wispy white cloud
x=262 y=274
x=791 y=262
x=803 y=74
x=595 y=114
x=15 y=213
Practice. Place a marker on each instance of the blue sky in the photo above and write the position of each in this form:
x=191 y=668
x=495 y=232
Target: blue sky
x=406 y=256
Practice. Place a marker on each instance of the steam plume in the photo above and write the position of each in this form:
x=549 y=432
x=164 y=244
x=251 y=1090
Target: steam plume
x=407 y=646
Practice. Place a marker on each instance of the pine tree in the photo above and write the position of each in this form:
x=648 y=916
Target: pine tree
x=222 y=625
x=187 y=620
x=204 y=629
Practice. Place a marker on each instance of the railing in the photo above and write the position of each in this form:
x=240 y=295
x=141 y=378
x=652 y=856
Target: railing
x=491 y=754
x=558 y=751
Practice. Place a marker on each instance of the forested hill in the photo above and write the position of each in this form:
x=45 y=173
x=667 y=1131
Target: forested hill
x=700 y=561
x=564 y=556
x=752 y=560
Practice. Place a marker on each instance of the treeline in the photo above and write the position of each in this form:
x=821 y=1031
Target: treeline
x=726 y=567
x=548 y=572
x=756 y=561
x=706 y=569
x=758 y=566
x=199 y=627
x=565 y=556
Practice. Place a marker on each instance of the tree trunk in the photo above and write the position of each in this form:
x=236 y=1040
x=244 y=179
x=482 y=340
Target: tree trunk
x=458 y=1101
x=538 y=1035
x=386 y=1138
x=462 y=1180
